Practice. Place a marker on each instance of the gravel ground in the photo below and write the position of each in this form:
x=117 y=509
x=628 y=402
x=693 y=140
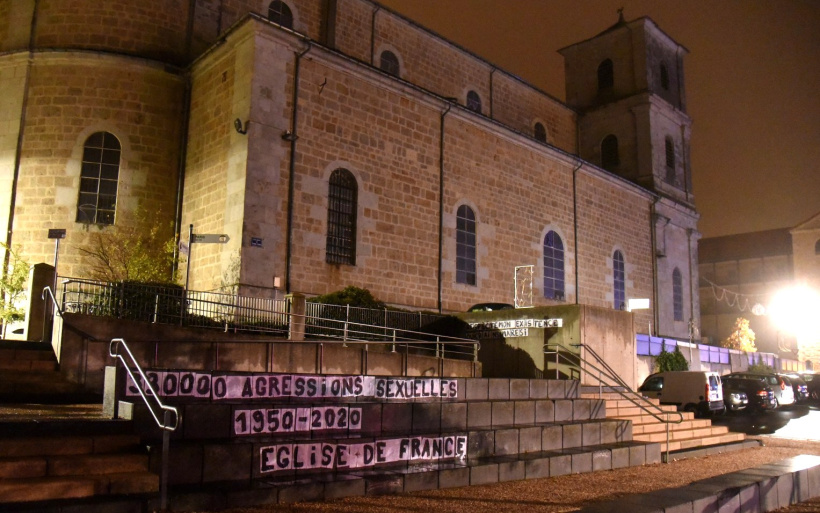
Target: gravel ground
x=566 y=493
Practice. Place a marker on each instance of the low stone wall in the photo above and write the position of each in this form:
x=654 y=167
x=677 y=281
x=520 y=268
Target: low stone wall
x=81 y=344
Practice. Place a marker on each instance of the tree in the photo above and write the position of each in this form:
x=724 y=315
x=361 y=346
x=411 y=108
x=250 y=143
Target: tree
x=13 y=287
x=742 y=337
x=136 y=249
x=350 y=295
x=674 y=361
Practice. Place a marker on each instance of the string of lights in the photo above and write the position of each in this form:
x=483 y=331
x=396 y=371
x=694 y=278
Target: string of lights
x=737 y=300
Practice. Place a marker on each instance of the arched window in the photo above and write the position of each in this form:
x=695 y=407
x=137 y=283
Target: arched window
x=474 y=101
x=670 y=160
x=280 y=13
x=342 y=200
x=99 y=174
x=540 y=133
x=465 y=246
x=389 y=63
x=677 y=294
x=610 y=159
x=664 y=77
x=619 y=280
x=606 y=76
x=817 y=248
x=553 y=267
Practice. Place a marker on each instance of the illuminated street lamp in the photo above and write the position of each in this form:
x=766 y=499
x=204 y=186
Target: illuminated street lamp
x=795 y=310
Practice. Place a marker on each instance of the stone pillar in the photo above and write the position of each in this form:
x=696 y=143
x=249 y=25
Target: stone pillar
x=297 y=309
x=39 y=312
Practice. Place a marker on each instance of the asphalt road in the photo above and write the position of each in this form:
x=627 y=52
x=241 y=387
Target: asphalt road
x=795 y=422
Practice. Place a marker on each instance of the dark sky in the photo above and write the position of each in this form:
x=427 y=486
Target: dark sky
x=752 y=85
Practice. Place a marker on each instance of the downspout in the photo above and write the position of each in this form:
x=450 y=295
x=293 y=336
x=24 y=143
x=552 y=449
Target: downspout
x=491 y=91
x=183 y=156
x=292 y=168
x=373 y=34
x=190 y=29
x=691 y=281
x=441 y=202
x=654 y=251
x=18 y=152
x=575 y=226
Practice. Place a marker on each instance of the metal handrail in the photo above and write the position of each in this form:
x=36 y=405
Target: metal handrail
x=48 y=292
x=165 y=424
x=618 y=385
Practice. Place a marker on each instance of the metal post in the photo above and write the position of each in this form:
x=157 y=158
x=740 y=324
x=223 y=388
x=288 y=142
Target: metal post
x=163 y=483
x=187 y=274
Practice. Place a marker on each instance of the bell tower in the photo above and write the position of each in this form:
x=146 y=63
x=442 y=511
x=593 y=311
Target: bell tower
x=627 y=84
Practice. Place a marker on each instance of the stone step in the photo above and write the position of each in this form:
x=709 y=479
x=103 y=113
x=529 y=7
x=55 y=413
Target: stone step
x=38 y=489
x=632 y=410
x=764 y=488
x=690 y=443
x=27 y=365
x=218 y=420
x=656 y=427
x=202 y=461
x=415 y=478
x=681 y=434
x=55 y=445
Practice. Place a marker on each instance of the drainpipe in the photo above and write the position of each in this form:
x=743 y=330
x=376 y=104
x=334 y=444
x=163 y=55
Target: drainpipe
x=491 y=91
x=441 y=201
x=18 y=153
x=654 y=250
x=373 y=34
x=183 y=153
x=575 y=226
x=692 y=284
x=292 y=169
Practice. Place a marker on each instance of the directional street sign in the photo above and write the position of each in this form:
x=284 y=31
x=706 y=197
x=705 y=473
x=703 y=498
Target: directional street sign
x=213 y=238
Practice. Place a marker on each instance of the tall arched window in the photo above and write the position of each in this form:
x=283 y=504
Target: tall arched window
x=342 y=200
x=540 y=133
x=465 y=246
x=553 y=267
x=670 y=160
x=473 y=101
x=664 y=77
x=677 y=294
x=606 y=76
x=389 y=63
x=279 y=12
x=610 y=159
x=99 y=175
x=619 y=280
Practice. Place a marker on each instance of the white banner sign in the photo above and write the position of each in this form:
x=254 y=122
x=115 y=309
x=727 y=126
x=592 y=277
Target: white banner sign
x=274 y=386
x=303 y=456
x=296 y=420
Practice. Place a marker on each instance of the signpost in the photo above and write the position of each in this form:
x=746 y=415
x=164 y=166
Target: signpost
x=198 y=238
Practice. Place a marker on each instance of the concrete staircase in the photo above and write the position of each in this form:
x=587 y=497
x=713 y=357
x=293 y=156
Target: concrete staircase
x=29 y=374
x=509 y=429
x=692 y=433
x=58 y=467
x=52 y=453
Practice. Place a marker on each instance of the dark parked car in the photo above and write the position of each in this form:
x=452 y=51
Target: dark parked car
x=760 y=395
x=783 y=393
x=801 y=389
x=813 y=384
x=735 y=397
x=490 y=307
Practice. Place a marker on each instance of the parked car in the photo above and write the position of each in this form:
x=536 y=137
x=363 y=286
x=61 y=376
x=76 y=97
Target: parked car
x=783 y=394
x=800 y=387
x=490 y=307
x=734 y=397
x=760 y=395
x=695 y=391
x=812 y=384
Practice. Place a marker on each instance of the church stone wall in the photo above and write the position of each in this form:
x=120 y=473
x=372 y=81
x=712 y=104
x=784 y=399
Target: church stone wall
x=70 y=97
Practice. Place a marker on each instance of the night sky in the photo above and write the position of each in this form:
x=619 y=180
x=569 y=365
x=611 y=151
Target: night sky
x=752 y=87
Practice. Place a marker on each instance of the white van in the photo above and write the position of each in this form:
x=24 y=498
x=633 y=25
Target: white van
x=696 y=391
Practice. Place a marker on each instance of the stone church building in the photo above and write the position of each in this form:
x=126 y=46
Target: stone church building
x=338 y=143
